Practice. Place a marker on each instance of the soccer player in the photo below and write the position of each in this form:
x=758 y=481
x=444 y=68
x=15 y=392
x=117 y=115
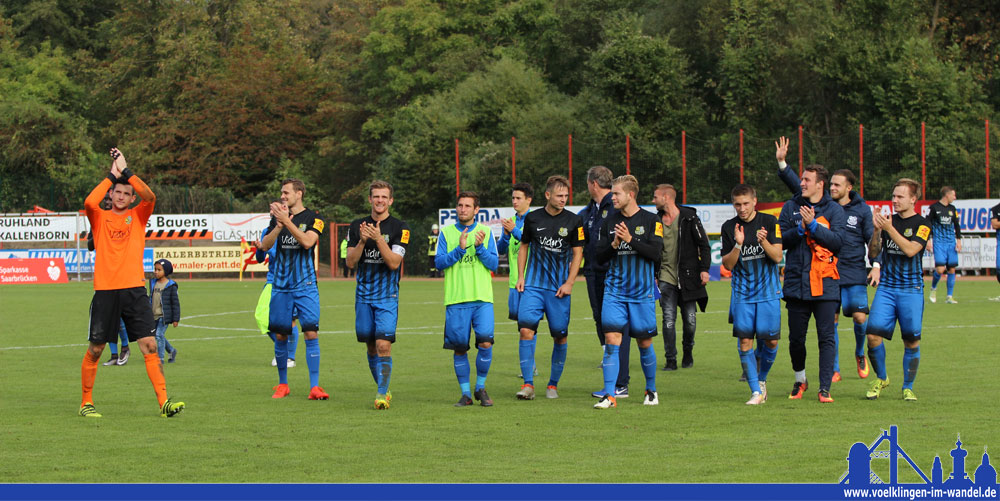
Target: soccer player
x=751 y=249
x=467 y=255
x=946 y=241
x=377 y=244
x=632 y=240
x=119 y=283
x=115 y=358
x=294 y=229
x=684 y=263
x=510 y=242
x=546 y=275
x=262 y=314
x=851 y=260
x=812 y=225
x=897 y=252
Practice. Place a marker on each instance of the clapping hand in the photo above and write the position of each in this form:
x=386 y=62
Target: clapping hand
x=808 y=215
x=480 y=236
x=738 y=235
x=508 y=224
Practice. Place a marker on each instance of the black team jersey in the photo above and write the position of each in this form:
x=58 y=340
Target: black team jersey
x=755 y=276
x=376 y=282
x=899 y=271
x=632 y=272
x=944 y=222
x=293 y=264
x=550 y=242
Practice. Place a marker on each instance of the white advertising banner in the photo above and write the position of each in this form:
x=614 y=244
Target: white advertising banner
x=974 y=215
x=233 y=227
x=712 y=216
x=37 y=228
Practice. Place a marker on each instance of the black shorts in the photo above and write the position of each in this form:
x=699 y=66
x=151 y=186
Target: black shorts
x=110 y=307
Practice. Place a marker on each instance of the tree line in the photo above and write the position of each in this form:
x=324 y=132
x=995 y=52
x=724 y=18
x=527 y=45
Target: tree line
x=217 y=100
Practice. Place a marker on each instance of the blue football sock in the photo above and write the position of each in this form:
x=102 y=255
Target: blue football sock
x=483 y=359
x=610 y=368
x=281 y=355
x=951 y=283
x=934 y=281
x=558 y=362
x=373 y=366
x=293 y=342
x=647 y=356
x=525 y=351
x=312 y=359
x=114 y=348
x=911 y=361
x=462 y=372
x=271 y=335
x=859 y=338
x=384 y=374
x=122 y=334
x=766 y=361
x=836 y=348
x=876 y=356
x=750 y=366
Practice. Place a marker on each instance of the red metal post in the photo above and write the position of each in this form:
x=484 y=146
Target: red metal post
x=456 y=168
x=923 y=160
x=684 y=168
x=513 y=161
x=571 y=169
x=628 y=153
x=800 y=151
x=741 y=156
x=861 y=157
x=987 y=159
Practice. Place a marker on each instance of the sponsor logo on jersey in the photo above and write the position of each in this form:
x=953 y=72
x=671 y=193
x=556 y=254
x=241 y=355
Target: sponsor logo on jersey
x=553 y=244
x=579 y=233
x=923 y=232
x=659 y=229
x=563 y=232
x=406 y=237
x=318 y=225
x=777 y=230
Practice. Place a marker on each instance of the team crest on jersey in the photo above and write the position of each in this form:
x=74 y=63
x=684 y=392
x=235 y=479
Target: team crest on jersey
x=639 y=230
x=908 y=233
x=563 y=232
x=604 y=213
x=386 y=238
x=128 y=220
x=302 y=227
x=923 y=232
x=852 y=220
x=406 y=237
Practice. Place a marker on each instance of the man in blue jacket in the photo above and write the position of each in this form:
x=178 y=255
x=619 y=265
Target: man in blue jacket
x=851 y=262
x=811 y=227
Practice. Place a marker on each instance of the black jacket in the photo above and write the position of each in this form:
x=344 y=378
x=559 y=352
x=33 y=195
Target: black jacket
x=693 y=256
x=169 y=300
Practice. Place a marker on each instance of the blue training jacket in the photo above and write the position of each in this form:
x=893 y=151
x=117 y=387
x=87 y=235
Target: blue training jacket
x=798 y=259
x=858 y=232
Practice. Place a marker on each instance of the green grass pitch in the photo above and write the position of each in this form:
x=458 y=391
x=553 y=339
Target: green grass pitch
x=232 y=431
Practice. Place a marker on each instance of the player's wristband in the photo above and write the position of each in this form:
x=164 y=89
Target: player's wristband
x=876 y=265
x=127 y=173
x=112 y=178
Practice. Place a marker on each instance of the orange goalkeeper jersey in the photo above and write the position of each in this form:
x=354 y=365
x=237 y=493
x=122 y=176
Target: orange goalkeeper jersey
x=119 y=239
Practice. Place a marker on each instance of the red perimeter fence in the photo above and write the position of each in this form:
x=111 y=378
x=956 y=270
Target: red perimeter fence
x=704 y=169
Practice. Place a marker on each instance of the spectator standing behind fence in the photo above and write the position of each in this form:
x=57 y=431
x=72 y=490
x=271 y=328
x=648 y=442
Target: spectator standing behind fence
x=946 y=241
x=343 y=257
x=683 y=273
x=432 y=244
x=811 y=228
x=115 y=358
x=166 y=306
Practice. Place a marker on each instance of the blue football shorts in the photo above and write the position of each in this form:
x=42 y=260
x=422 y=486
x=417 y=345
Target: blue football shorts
x=286 y=305
x=538 y=302
x=638 y=319
x=854 y=299
x=905 y=306
x=756 y=320
x=376 y=320
x=459 y=318
x=945 y=255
